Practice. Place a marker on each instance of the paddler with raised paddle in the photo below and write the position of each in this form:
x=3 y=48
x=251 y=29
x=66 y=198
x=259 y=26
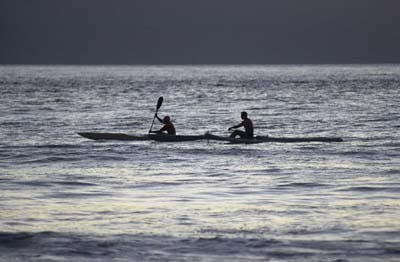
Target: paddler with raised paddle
x=168 y=126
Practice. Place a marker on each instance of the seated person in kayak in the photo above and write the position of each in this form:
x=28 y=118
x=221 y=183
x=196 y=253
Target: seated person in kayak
x=168 y=126
x=248 y=128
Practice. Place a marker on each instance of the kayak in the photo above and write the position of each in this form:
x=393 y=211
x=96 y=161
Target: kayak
x=113 y=136
x=265 y=139
x=207 y=136
x=175 y=138
x=156 y=137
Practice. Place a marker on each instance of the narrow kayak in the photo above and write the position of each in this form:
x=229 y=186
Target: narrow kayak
x=265 y=139
x=112 y=136
x=208 y=136
x=175 y=138
x=156 y=137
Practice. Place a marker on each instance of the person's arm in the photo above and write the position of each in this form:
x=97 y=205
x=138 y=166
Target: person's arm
x=159 y=119
x=164 y=128
x=239 y=125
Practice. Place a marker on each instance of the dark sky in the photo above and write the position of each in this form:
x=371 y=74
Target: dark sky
x=199 y=31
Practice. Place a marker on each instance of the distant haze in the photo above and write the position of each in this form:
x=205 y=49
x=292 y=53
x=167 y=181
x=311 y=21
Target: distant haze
x=199 y=31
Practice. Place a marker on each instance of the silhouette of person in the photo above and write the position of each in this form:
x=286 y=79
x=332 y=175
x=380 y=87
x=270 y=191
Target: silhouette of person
x=248 y=127
x=168 y=126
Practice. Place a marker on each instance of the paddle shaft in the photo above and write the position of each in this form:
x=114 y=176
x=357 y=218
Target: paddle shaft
x=152 y=123
x=159 y=103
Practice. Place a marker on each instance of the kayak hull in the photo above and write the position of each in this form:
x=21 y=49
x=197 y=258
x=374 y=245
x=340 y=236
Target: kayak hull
x=266 y=139
x=175 y=138
x=112 y=136
x=125 y=137
x=208 y=136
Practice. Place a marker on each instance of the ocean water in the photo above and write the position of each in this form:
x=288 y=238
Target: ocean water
x=67 y=198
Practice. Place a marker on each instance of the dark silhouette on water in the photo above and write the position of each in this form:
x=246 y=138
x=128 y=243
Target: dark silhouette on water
x=168 y=134
x=248 y=127
x=168 y=126
x=159 y=103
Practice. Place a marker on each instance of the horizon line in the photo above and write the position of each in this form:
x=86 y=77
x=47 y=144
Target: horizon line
x=210 y=64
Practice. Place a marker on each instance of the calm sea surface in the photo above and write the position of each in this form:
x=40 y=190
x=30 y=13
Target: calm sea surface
x=66 y=198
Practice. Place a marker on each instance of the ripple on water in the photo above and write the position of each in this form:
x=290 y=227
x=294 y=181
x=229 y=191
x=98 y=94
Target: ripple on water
x=62 y=246
x=202 y=200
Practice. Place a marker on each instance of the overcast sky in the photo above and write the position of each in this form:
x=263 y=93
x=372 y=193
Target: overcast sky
x=199 y=31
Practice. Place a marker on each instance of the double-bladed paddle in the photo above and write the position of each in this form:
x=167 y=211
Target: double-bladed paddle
x=159 y=103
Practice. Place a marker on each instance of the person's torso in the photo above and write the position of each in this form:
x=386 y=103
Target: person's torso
x=248 y=127
x=169 y=127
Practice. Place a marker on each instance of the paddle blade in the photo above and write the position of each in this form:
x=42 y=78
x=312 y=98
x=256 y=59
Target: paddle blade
x=159 y=102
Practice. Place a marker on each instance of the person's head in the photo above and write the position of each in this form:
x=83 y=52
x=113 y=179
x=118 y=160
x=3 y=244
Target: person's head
x=166 y=119
x=243 y=115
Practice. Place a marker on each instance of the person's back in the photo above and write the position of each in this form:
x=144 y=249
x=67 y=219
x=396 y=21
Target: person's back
x=248 y=127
